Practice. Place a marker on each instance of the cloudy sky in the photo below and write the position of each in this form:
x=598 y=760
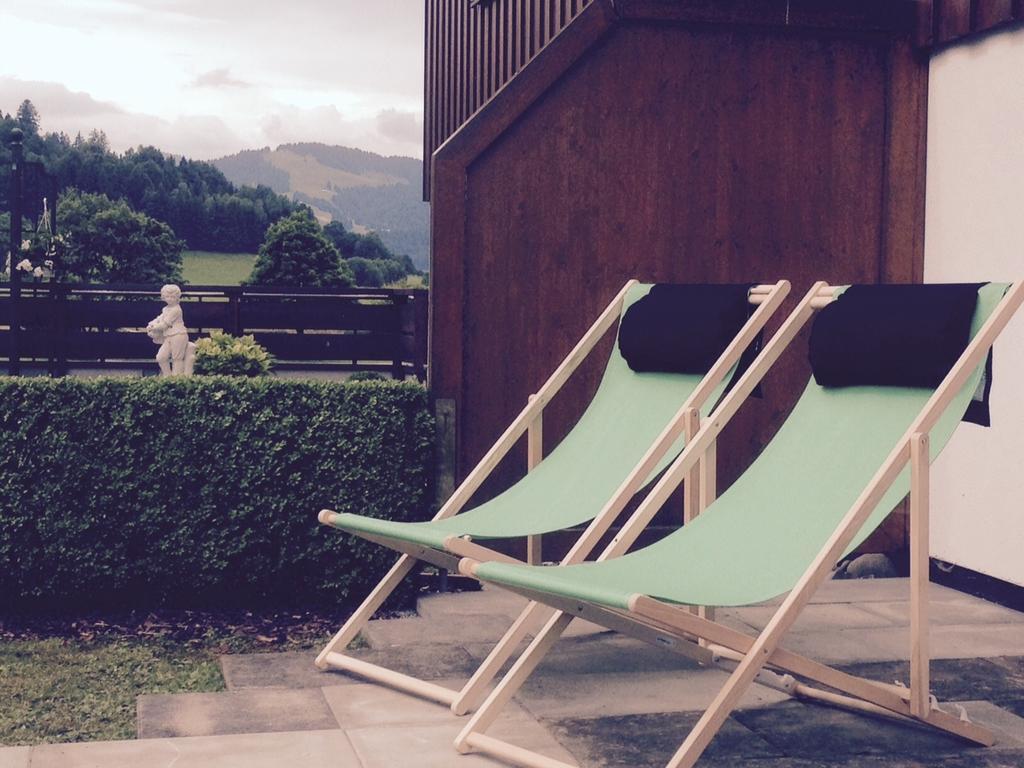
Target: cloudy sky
x=206 y=78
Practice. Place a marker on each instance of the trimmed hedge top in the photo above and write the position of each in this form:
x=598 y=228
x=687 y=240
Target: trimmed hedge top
x=201 y=492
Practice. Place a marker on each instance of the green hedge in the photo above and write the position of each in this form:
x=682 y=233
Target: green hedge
x=201 y=492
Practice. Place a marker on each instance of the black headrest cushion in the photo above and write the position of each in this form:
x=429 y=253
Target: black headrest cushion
x=682 y=328
x=892 y=335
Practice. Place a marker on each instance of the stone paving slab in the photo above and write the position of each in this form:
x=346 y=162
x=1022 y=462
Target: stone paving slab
x=287 y=669
x=976 y=640
x=596 y=695
x=427 y=662
x=940 y=612
x=390 y=633
x=952 y=679
x=649 y=740
x=14 y=757
x=308 y=749
x=431 y=746
x=789 y=735
x=1007 y=727
x=253 y=711
x=489 y=600
x=612 y=654
x=294 y=669
x=887 y=643
x=816 y=617
x=877 y=591
x=369 y=706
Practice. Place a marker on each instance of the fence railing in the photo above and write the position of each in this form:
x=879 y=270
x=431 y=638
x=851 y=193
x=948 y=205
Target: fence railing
x=67 y=325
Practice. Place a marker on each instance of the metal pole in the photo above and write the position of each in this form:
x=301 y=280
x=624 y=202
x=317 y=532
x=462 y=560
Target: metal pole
x=17 y=179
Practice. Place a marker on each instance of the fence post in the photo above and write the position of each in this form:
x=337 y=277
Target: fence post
x=235 y=310
x=421 y=308
x=63 y=326
x=17 y=171
x=399 y=303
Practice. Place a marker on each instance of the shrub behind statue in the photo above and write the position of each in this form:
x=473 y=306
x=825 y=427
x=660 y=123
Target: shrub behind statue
x=202 y=491
x=223 y=354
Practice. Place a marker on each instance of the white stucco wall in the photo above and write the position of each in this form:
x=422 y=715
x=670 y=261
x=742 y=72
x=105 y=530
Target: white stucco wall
x=974 y=230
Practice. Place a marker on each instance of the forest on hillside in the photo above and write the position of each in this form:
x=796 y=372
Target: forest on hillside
x=203 y=208
x=127 y=218
x=360 y=189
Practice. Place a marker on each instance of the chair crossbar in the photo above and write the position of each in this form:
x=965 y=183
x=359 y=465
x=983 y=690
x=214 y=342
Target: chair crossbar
x=389 y=677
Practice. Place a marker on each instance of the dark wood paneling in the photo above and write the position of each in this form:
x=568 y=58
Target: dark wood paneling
x=958 y=20
x=901 y=255
x=668 y=157
x=952 y=19
x=473 y=49
x=991 y=13
x=675 y=152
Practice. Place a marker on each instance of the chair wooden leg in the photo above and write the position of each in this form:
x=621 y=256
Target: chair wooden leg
x=484 y=717
x=715 y=715
x=363 y=614
x=920 y=703
x=473 y=692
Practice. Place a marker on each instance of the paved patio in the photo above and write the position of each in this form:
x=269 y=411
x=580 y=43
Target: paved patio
x=598 y=700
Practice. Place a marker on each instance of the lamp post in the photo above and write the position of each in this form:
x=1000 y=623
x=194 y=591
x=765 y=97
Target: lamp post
x=17 y=184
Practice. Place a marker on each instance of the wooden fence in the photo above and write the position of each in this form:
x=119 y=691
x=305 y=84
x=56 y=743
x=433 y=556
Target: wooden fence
x=103 y=326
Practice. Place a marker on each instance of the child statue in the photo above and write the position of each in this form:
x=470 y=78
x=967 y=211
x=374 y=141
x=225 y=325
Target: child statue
x=177 y=354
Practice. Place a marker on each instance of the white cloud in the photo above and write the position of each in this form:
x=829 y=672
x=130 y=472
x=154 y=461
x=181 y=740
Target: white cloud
x=171 y=72
x=401 y=127
x=219 y=78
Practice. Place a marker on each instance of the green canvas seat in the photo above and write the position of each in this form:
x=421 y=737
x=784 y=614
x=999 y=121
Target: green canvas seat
x=755 y=541
x=843 y=459
x=630 y=431
x=571 y=485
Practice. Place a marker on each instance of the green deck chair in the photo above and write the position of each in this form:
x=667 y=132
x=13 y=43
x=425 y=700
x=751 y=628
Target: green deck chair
x=842 y=460
x=631 y=430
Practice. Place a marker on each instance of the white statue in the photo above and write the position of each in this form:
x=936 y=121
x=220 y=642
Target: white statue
x=176 y=356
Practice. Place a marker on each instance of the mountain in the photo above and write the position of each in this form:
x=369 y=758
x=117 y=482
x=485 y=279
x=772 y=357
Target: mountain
x=362 y=190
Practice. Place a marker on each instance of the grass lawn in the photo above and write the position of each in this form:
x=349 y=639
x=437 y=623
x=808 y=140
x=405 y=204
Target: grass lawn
x=209 y=268
x=58 y=690
x=77 y=680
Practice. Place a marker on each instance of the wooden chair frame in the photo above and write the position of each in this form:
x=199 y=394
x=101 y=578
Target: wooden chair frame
x=676 y=628
x=766 y=298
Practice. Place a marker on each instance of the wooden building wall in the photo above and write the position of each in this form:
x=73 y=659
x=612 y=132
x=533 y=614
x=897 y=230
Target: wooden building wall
x=954 y=21
x=474 y=47
x=669 y=142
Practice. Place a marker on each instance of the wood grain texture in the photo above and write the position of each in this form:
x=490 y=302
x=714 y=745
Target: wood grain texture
x=991 y=13
x=472 y=50
x=952 y=19
x=670 y=152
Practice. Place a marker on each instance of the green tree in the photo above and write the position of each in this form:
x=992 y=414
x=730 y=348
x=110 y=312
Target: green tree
x=368 y=273
x=343 y=240
x=28 y=118
x=106 y=241
x=296 y=253
x=371 y=247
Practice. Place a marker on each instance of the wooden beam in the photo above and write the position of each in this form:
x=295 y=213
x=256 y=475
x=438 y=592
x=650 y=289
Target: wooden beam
x=919 y=502
x=691 y=485
x=534 y=456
